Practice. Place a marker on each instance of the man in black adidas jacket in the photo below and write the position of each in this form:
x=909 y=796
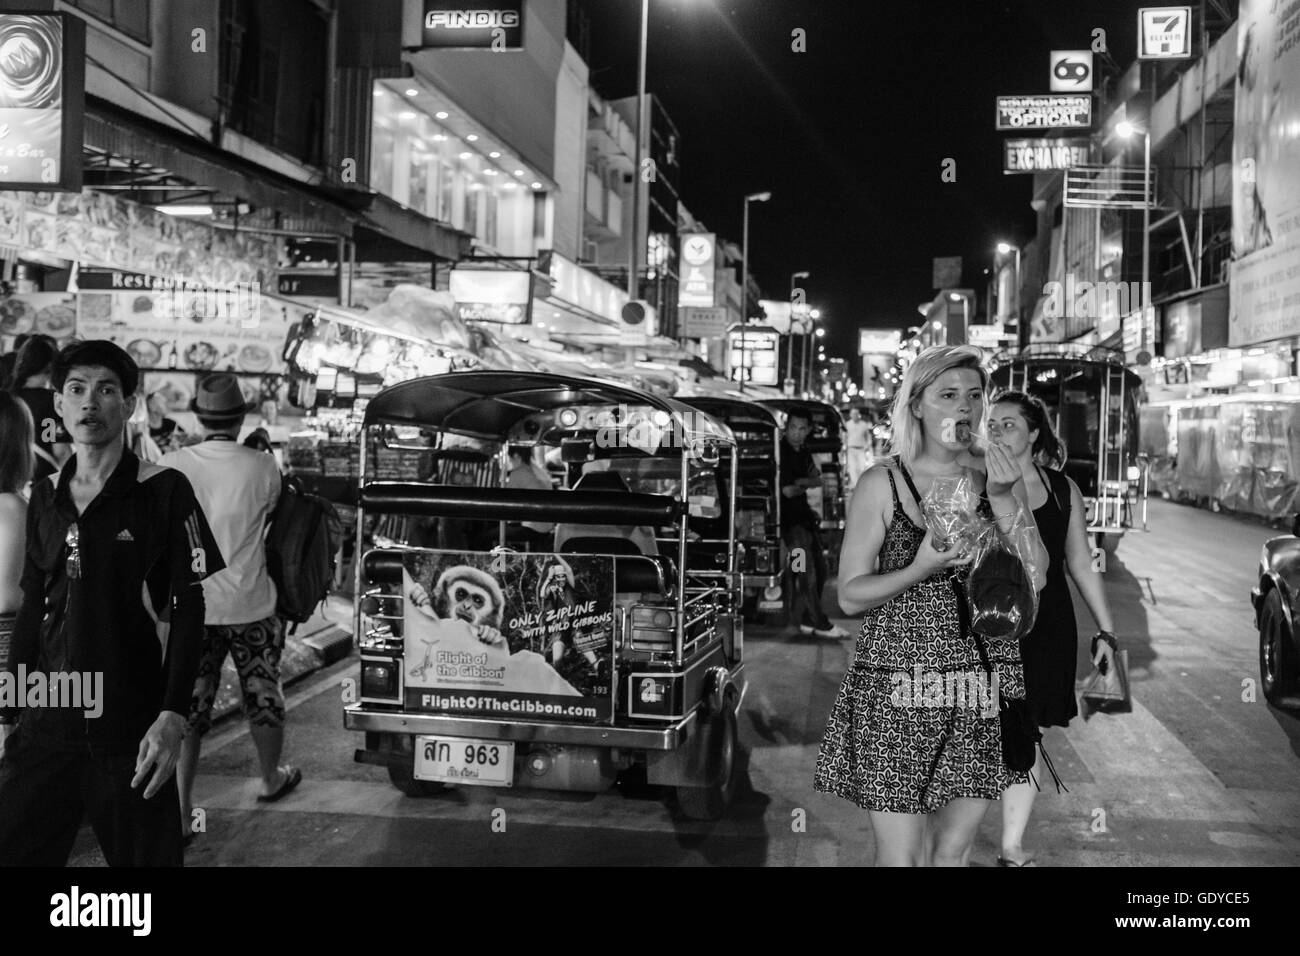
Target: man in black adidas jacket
x=116 y=550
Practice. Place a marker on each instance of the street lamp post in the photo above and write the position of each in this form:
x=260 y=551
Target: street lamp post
x=744 y=284
x=1126 y=130
x=805 y=374
x=634 y=266
x=1003 y=249
x=789 y=350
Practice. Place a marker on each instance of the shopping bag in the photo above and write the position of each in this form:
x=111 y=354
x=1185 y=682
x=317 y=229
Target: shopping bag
x=1107 y=688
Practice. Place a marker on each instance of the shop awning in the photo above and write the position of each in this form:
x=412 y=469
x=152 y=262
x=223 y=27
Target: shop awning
x=128 y=151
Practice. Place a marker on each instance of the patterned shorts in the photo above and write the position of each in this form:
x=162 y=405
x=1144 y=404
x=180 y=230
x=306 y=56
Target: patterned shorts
x=256 y=651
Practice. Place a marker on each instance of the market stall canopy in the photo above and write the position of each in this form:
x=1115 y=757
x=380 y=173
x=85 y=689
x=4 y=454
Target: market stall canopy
x=430 y=315
x=486 y=405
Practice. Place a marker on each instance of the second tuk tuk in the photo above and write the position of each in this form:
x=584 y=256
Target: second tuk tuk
x=758 y=498
x=615 y=646
x=826 y=443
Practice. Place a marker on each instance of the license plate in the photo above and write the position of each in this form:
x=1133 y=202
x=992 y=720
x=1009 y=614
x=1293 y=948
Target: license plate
x=466 y=761
x=770 y=605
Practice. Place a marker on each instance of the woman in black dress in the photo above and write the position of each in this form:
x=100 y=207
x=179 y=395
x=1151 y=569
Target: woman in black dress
x=1020 y=424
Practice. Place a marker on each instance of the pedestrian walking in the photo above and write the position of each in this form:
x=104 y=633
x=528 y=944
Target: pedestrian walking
x=16 y=462
x=115 y=552
x=31 y=383
x=857 y=431
x=801 y=530
x=902 y=757
x=1020 y=424
x=237 y=487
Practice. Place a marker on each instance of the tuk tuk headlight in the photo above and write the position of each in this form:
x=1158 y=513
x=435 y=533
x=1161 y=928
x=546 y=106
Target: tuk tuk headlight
x=1133 y=473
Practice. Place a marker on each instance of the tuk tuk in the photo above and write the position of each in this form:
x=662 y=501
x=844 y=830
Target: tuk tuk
x=758 y=499
x=826 y=443
x=1094 y=401
x=617 y=646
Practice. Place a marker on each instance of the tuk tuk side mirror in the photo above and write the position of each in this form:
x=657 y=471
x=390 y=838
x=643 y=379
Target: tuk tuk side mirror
x=706 y=452
x=575 y=450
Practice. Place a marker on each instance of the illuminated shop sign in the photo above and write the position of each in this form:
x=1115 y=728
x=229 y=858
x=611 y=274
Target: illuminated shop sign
x=453 y=24
x=698 y=264
x=42 y=101
x=1164 y=33
x=1036 y=155
x=1044 y=111
x=752 y=354
x=491 y=295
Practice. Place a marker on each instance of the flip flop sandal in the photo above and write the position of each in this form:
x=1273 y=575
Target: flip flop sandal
x=292 y=780
x=1002 y=861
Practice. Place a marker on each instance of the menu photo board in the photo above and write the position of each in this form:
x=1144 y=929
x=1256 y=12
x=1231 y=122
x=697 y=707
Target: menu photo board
x=42 y=100
x=165 y=332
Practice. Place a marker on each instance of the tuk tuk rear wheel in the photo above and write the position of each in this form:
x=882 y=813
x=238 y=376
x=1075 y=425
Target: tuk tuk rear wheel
x=404 y=780
x=718 y=748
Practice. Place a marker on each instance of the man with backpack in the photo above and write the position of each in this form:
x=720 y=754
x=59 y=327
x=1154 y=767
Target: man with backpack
x=238 y=488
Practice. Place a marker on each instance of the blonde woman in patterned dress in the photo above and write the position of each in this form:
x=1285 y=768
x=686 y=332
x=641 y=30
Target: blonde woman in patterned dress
x=912 y=758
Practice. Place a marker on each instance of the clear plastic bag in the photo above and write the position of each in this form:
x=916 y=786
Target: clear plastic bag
x=1006 y=575
x=950 y=513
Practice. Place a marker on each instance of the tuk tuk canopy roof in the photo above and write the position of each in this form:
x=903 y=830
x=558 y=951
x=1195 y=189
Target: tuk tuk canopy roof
x=733 y=411
x=821 y=413
x=487 y=404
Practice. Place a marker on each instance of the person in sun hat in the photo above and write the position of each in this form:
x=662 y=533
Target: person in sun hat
x=238 y=488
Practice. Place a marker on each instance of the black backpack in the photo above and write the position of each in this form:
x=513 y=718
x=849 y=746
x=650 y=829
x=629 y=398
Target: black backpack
x=301 y=544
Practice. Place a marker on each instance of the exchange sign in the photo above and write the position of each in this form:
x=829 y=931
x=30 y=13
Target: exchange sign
x=1045 y=111
x=1036 y=155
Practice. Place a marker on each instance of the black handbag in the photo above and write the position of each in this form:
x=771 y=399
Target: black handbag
x=1020 y=734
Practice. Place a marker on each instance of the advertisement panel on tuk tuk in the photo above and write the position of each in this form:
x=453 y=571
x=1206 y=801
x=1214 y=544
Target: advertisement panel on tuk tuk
x=510 y=635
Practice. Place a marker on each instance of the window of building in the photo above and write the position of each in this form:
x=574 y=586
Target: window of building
x=126 y=16
x=272 y=74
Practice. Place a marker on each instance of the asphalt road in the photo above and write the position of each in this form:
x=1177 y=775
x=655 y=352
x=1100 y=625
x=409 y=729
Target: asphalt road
x=1198 y=774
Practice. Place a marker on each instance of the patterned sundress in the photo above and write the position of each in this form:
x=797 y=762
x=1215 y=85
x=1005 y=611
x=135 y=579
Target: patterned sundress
x=894 y=744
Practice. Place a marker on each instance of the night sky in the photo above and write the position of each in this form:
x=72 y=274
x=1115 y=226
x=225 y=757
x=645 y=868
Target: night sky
x=850 y=136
